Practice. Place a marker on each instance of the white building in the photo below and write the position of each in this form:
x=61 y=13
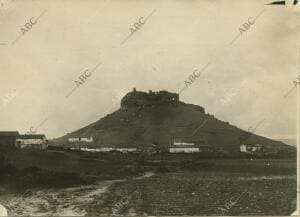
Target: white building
x=125 y=150
x=250 y=148
x=106 y=149
x=184 y=149
x=73 y=139
x=37 y=141
x=87 y=139
x=243 y=148
x=178 y=143
x=79 y=139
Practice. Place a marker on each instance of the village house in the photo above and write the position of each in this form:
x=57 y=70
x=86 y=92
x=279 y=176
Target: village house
x=94 y=149
x=78 y=142
x=104 y=149
x=35 y=141
x=185 y=146
x=178 y=143
x=180 y=146
x=79 y=139
x=184 y=149
x=14 y=139
x=125 y=150
x=251 y=148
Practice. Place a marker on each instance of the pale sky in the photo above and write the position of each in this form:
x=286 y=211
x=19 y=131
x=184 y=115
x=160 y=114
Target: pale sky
x=251 y=75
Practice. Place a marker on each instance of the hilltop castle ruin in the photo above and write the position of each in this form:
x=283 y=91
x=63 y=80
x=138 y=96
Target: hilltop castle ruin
x=140 y=98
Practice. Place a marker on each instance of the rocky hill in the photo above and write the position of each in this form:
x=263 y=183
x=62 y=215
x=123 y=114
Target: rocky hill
x=160 y=118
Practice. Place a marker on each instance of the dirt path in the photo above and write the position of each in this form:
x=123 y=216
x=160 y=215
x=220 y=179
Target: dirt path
x=59 y=202
x=3 y=211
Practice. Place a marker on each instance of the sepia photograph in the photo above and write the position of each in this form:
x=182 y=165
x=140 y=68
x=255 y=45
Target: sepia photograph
x=149 y=108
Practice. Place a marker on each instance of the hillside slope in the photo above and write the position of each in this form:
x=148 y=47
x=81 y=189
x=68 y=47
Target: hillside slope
x=160 y=118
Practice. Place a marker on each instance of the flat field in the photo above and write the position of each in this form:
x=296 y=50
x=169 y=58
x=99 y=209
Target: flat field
x=226 y=187
x=96 y=184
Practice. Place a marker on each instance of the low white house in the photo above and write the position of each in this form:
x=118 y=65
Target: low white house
x=251 y=148
x=87 y=139
x=178 y=143
x=80 y=139
x=73 y=139
x=106 y=149
x=36 y=141
x=94 y=149
x=184 y=149
x=243 y=148
x=126 y=150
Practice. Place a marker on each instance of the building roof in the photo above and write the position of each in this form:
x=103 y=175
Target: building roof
x=9 y=133
x=32 y=136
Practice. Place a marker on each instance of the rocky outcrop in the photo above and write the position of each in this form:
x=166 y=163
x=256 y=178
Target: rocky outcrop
x=143 y=99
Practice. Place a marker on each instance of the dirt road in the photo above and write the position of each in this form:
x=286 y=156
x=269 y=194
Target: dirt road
x=58 y=202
